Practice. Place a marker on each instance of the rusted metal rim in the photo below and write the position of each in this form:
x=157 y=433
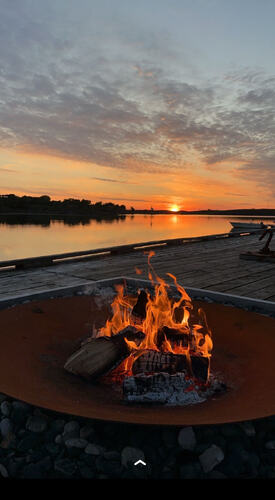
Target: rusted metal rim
x=37 y=338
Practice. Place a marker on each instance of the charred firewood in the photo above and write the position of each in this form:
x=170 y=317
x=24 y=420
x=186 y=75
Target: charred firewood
x=98 y=356
x=174 y=336
x=139 y=309
x=161 y=388
x=200 y=367
x=129 y=332
x=156 y=362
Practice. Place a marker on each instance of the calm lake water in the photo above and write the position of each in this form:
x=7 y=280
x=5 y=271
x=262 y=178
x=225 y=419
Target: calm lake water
x=28 y=236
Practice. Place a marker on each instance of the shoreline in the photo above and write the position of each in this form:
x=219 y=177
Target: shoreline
x=138 y=212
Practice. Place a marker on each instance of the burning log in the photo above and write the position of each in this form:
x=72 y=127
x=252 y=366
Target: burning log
x=162 y=388
x=152 y=361
x=174 y=336
x=200 y=367
x=156 y=362
x=98 y=356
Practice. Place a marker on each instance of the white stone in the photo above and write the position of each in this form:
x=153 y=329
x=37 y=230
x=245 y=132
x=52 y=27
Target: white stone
x=5 y=408
x=76 y=443
x=58 y=439
x=5 y=427
x=211 y=457
x=36 y=424
x=94 y=449
x=248 y=428
x=72 y=426
x=270 y=445
x=187 y=439
x=3 y=471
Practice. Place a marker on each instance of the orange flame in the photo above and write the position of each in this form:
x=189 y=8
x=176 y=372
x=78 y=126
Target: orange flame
x=161 y=312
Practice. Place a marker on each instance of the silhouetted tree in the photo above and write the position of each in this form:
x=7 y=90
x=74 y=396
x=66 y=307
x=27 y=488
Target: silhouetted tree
x=44 y=204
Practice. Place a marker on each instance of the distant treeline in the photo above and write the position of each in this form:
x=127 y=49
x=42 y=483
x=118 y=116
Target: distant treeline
x=251 y=212
x=239 y=211
x=10 y=203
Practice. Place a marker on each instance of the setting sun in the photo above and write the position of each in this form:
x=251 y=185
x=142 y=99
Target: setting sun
x=174 y=208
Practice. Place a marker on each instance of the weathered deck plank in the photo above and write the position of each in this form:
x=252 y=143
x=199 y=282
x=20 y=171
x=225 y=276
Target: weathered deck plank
x=213 y=265
x=19 y=282
x=188 y=260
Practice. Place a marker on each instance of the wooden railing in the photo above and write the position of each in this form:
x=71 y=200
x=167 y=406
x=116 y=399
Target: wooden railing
x=46 y=260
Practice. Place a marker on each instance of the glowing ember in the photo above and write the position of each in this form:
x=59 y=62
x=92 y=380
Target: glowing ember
x=162 y=314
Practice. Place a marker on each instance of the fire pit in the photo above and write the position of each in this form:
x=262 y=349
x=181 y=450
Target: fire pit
x=155 y=348
x=38 y=338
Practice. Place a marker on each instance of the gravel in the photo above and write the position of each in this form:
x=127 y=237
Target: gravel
x=40 y=444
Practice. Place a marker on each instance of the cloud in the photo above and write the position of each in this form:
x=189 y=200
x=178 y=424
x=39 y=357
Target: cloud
x=8 y=170
x=261 y=171
x=133 y=200
x=103 y=125
x=235 y=194
x=259 y=97
x=112 y=180
x=33 y=191
x=115 y=95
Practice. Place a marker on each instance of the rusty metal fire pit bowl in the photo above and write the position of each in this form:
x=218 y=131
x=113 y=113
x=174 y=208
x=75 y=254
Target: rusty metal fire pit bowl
x=39 y=335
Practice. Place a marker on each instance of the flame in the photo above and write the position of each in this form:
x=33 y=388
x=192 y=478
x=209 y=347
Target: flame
x=161 y=311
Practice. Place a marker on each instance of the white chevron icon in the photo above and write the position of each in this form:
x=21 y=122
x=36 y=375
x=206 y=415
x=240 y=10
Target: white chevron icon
x=140 y=462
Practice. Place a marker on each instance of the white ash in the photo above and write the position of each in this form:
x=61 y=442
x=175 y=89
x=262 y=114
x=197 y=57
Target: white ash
x=167 y=389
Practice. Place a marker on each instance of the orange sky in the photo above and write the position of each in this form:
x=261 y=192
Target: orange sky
x=35 y=174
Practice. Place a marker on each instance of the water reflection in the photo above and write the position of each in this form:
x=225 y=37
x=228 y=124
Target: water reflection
x=33 y=235
x=46 y=220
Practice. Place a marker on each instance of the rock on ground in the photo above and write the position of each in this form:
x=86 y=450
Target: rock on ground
x=187 y=439
x=211 y=457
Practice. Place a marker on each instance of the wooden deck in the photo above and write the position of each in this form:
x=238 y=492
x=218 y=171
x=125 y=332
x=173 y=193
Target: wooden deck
x=212 y=265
